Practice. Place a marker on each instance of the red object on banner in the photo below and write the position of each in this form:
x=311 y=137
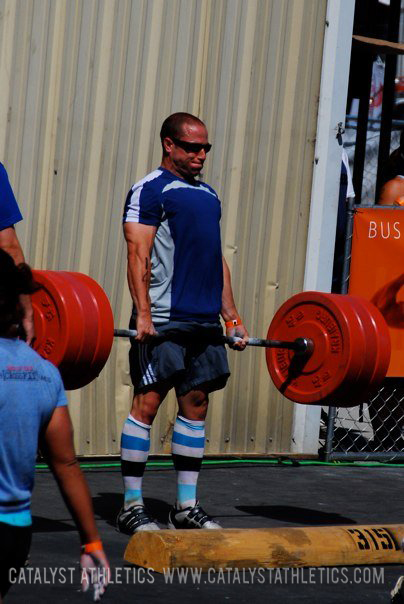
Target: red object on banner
x=377 y=271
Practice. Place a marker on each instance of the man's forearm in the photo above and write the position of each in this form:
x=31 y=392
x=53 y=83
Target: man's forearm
x=140 y=238
x=229 y=310
x=139 y=274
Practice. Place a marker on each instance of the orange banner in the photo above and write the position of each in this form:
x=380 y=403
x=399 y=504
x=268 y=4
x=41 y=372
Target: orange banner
x=377 y=271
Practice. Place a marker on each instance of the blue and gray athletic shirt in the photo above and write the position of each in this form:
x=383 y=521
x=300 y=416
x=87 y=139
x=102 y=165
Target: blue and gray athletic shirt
x=187 y=271
x=30 y=389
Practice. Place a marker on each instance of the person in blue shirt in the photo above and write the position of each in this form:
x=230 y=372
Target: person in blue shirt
x=9 y=215
x=33 y=410
x=180 y=286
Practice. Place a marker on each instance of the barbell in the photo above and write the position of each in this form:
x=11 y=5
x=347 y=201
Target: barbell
x=321 y=348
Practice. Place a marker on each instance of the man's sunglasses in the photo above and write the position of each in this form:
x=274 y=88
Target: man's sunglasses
x=191 y=147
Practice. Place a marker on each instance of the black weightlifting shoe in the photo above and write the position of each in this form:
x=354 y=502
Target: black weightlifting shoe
x=135 y=519
x=191 y=518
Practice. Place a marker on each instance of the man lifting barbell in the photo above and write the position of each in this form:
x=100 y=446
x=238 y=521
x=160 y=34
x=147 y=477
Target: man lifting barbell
x=180 y=284
x=322 y=349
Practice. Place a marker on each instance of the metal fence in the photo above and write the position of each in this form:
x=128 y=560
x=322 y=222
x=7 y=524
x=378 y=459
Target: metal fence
x=372 y=151
x=373 y=430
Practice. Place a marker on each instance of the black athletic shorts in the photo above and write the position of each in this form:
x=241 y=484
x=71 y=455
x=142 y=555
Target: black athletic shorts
x=185 y=355
x=15 y=542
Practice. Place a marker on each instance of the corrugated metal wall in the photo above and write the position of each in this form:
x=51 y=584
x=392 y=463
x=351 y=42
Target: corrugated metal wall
x=85 y=87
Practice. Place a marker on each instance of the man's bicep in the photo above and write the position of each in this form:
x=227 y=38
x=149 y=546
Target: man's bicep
x=139 y=236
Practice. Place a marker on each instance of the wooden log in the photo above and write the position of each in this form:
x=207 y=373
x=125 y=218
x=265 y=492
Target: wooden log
x=267 y=548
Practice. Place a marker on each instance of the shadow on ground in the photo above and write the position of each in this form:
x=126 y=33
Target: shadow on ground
x=294 y=514
x=46 y=525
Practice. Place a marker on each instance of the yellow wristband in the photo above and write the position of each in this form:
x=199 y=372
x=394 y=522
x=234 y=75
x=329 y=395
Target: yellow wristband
x=234 y=322
x=88 y=548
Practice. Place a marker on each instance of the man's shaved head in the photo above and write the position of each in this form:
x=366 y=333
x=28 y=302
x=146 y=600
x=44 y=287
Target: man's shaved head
x=173 y=125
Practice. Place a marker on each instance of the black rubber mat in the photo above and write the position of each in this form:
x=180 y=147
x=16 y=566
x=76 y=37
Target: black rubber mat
x=245 y=496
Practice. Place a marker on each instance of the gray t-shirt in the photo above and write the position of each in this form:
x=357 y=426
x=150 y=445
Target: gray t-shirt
x=30 y=390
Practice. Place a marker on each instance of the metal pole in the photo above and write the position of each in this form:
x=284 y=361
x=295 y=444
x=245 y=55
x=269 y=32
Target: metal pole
x=388 y=93
x=348 y=246
x=370 y=456
x=300 y=345
x=332 y=412
x=361 y=132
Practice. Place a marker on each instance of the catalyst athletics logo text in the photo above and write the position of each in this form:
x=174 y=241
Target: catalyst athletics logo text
x=72 y=575
x=197 y=576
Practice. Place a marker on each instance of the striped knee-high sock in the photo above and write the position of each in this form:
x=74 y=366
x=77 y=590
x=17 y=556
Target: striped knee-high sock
x=135 y=446
x=187 y=448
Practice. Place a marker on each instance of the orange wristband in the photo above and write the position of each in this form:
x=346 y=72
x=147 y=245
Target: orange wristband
x=87 y=548
x=234 y=322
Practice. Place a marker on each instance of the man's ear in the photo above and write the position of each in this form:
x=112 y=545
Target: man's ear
x=167 y=144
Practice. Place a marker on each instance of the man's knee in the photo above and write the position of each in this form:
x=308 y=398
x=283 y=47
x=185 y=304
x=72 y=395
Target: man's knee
x=198 y=398
x=194 y=404
x=146 y=404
